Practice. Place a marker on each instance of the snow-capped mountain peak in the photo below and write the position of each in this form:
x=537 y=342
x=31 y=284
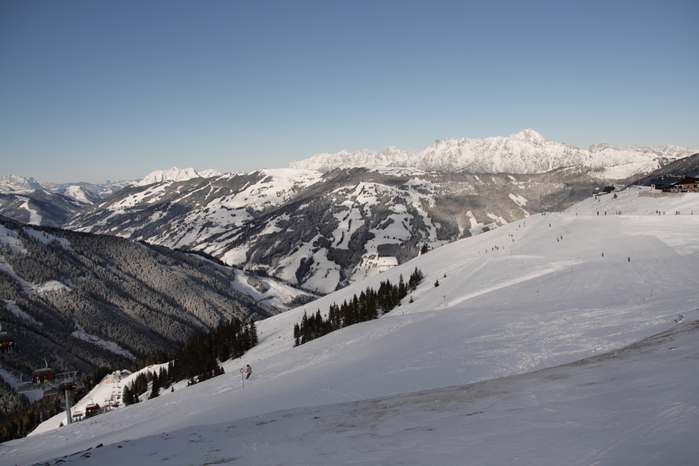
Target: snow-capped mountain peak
x=81 y=194
x=526 y=152
x=531 y=136
x=14 y=184
x=175 y=174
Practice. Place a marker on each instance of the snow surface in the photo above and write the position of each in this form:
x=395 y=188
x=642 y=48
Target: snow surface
x=484 y=369
x=34 y=216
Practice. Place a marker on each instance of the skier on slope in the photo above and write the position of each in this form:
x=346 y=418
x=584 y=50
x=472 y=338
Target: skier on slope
x=248 y=371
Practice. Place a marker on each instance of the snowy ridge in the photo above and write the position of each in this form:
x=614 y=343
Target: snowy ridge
x=81 y=195
x=18 y=184
x=526 y=152
x=527 y=301
x=175 y=174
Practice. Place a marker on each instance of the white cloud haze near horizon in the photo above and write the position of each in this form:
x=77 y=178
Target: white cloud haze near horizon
x=114 y=90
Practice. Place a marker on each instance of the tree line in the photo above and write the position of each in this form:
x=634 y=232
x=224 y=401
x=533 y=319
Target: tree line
x=198 y=360
x=360 y=308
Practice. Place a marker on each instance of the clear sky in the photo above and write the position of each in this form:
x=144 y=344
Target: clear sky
x=97 y=90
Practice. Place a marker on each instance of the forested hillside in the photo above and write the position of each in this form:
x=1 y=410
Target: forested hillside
x=77 y=301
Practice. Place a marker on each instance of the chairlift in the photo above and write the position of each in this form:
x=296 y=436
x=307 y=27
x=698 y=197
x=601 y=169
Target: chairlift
x=80 y=393
x=44 y=375
x=67 y=386
x=92 y=409
x=24 y=386
x=7 y=342
x=66 y=378
x=51 y=391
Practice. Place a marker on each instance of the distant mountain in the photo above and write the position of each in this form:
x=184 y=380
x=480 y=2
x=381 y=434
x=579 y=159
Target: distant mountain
x=39 y=207
x=323 y=228
x=527 y=152
x=14 y=184
x=324 y=231
x=81 y=194
x=175 y=174
x=52 y=204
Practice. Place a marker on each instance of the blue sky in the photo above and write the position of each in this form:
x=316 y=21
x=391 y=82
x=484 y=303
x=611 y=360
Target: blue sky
x=91 y=91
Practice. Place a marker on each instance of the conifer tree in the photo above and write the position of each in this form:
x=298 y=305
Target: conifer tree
x=155 y=389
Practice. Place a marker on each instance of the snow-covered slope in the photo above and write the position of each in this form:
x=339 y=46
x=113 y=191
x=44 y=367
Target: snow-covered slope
x=632 y=406
x=524 y=152
x=81 y=195
x=548 y=290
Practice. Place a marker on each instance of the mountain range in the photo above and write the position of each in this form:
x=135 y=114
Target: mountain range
x=345 y=216
x=52 y=204
x=526 y=152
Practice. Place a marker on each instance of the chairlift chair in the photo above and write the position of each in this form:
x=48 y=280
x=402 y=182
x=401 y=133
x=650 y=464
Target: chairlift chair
x=7 y=342
x=92 y=409
x=67 y=386
x=51 y=391
x=44 y=375
x=24 y=386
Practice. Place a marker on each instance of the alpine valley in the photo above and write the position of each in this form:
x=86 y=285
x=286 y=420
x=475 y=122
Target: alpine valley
x=334 y=219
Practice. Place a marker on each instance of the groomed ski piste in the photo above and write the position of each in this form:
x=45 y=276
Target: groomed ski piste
x=565 y=338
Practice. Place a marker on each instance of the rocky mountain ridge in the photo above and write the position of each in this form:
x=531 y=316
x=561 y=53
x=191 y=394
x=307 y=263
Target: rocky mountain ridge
x=527 y=152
